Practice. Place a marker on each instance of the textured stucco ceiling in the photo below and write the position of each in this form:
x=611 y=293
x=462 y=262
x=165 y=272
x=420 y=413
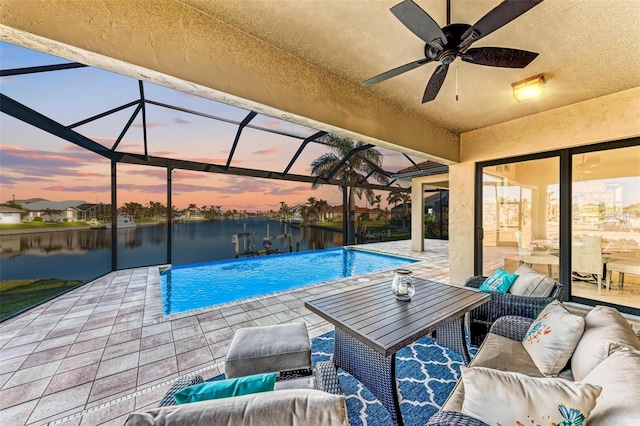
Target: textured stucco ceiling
x=588 y=48
x=303 y=60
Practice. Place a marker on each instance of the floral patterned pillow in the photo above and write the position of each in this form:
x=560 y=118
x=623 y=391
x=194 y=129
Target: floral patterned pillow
x=552 y=338
x=506 y=398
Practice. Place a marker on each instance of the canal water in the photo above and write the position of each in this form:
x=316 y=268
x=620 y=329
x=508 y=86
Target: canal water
x=86 y=254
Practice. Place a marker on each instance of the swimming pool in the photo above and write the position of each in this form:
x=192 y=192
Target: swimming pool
x=186 y=287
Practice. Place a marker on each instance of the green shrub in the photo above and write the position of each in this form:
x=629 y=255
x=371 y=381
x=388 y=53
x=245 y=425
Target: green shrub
x=37 y=219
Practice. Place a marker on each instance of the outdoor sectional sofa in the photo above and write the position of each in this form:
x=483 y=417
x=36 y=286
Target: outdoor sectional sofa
x=607 y=355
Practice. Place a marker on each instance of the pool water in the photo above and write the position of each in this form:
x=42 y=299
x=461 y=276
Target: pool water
x=186 y=287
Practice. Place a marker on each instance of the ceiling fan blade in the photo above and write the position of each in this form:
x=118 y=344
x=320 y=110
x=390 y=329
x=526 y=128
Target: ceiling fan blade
x=499 y=57
x=420 y=23
x=501 y=15
x=435 y=83
x=396 y=71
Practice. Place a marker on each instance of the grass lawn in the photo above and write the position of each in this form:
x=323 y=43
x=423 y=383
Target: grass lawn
x=19 y=294
x=41 y=225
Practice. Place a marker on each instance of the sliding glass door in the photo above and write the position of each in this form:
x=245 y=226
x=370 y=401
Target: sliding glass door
x=573 y=214
x=520 y=215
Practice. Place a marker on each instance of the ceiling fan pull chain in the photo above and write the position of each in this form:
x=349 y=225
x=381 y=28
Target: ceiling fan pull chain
x=456 y=82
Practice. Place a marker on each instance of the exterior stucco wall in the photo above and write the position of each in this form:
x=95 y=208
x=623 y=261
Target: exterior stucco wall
x=607 y=118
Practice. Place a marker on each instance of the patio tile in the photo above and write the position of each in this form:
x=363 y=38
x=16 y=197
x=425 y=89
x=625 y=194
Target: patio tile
x=113 y=384
x=213 y=325
x=157 y=370
x=285 y=316
x=249 y=306
x=219 y=351
x=92 y=322
x=72 y=378
x=210 y=316
x=88 y=346
x=150 y=355
x=56 y=342
x=231 y=310
x=4 y=378
x=23 y=393
x=24 y=339
x=220 y=335
x=278 y=307
x=18 y=414
x=184 y=332
x=111 y=413
x=117 y=365
x=17 y=351
x=60 y=402
x=151 y=397
x=190 y=343
x=245 y=324
x=184 y=322
x=126 y=326
x=190 y=359
x=237 y=318
x=94 y=334
x=80 y=360
x=113 y=351
x=63 y=331
x=32 y=374
x=125 y=336
x=156 y=340
x=13 y=364
x=268 y=320
x=258 y=313
x=156 y=329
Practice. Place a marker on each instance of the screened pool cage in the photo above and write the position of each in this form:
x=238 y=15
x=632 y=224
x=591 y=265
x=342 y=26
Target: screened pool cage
x=241 y=119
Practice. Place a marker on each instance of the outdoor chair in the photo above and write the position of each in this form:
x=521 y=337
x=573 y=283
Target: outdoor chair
x=503 y=304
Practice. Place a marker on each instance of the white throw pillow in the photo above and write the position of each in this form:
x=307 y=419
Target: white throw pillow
x=602 y=325
x=531 y=283
x=506 y=398
x=619 y=377
x=552 y=338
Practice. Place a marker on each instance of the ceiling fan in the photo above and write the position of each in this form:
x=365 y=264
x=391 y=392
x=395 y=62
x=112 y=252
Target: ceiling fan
x=453 y=41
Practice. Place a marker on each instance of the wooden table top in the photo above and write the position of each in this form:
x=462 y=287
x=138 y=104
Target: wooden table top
x=374 y=316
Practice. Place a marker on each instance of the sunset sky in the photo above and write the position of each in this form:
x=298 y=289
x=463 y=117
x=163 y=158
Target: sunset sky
x=38 y=165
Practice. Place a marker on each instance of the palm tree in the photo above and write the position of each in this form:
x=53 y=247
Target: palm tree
x=367 y=162
x=403 y=196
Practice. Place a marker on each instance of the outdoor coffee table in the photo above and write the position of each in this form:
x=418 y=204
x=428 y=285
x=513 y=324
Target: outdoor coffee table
x=371 y=326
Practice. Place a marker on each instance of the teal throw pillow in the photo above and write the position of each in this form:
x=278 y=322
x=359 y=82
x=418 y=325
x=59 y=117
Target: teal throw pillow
x=226 y=388
x=499 y=281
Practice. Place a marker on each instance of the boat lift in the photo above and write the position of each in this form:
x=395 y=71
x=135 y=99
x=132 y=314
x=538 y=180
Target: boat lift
x=243 y=243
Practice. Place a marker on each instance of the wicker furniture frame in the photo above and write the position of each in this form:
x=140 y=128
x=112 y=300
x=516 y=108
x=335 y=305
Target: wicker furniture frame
x=502 y=304
x=371 y=326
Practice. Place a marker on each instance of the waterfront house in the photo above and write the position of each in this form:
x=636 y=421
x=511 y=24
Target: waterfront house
x=10 y=215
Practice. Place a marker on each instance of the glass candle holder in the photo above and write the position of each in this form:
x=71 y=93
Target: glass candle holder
x=402 y=285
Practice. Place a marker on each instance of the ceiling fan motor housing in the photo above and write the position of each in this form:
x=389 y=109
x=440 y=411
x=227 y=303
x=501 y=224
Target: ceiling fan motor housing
x=450 y=50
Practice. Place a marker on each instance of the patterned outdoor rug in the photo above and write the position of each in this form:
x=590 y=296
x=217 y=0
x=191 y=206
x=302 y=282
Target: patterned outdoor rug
x=426 y=374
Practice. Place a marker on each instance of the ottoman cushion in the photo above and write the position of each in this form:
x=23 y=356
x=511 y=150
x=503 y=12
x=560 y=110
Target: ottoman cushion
x=267 y=349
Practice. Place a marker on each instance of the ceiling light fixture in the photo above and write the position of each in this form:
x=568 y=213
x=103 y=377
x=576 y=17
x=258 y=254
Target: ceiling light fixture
x=529 y=87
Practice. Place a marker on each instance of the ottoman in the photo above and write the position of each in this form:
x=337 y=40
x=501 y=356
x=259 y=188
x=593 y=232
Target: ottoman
x=283 y=348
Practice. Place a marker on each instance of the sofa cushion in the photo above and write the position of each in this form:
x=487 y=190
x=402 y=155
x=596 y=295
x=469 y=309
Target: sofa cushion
x=603 y=325
x=552 y=338
x=619 y=377
x=287 y=408
x=226 y=388
x=499 y=281
x=531 y=283
x=506 y=398
x=499 y=353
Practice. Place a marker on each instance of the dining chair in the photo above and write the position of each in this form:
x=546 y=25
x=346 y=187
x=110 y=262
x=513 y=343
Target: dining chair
x=586 y=257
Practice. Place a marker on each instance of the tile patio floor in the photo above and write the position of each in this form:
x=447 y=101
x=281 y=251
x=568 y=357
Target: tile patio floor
x=102 y=351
